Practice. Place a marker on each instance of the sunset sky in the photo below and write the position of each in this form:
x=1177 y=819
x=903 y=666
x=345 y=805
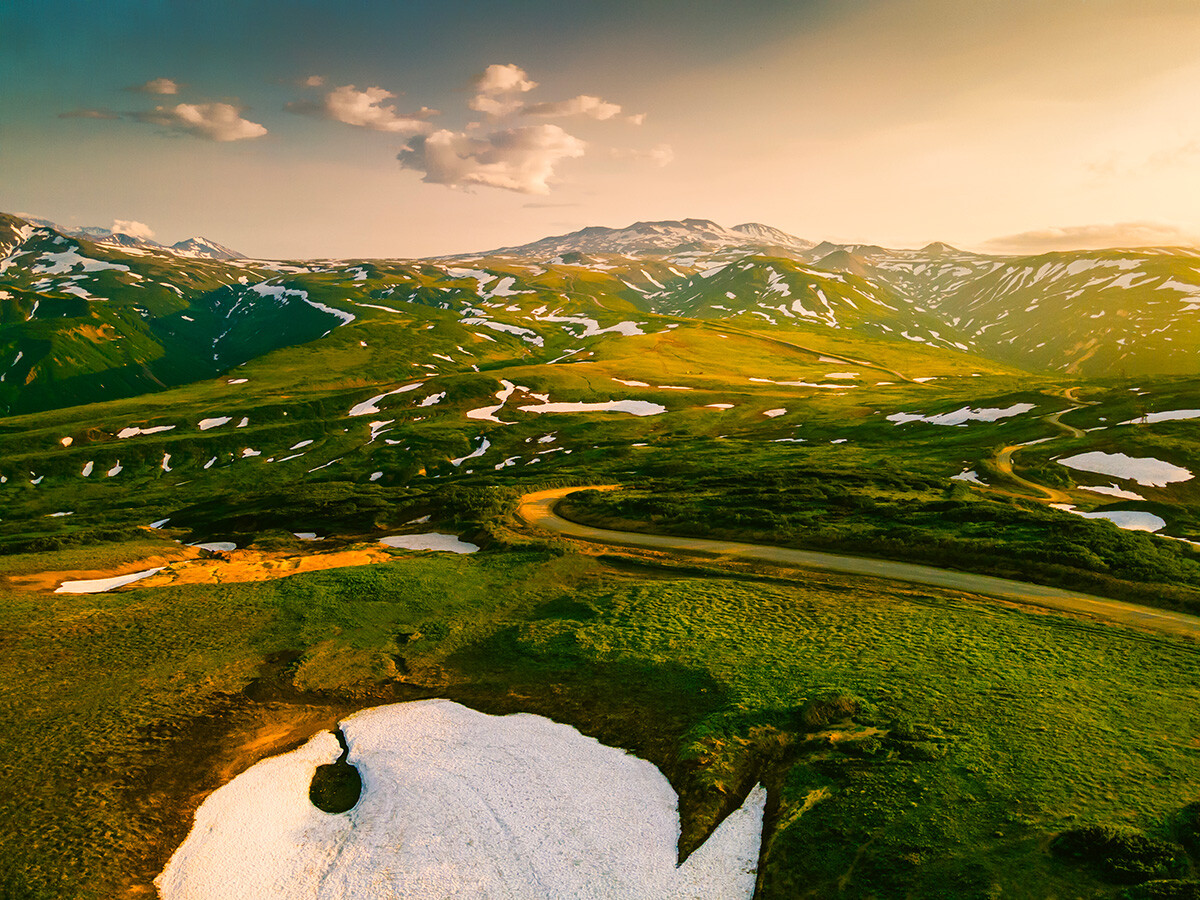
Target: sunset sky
x=298 y=129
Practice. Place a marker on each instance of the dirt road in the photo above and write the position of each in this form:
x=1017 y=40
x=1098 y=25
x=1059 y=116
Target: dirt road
x=537 y=509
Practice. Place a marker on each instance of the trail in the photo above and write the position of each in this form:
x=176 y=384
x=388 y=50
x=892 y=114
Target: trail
x=1003 y=458
x=537 y=509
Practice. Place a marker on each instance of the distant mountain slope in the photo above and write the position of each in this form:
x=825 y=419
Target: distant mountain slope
x=660 y=238
x=194 y=247
x=82 y=321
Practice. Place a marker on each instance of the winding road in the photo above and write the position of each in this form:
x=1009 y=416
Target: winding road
x=537 y=509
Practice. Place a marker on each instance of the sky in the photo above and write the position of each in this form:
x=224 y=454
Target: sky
x=365 y=128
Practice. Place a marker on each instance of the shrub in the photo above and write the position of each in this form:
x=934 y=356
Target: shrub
x=1168 y=889
x=1118 y=854
x=821 y=712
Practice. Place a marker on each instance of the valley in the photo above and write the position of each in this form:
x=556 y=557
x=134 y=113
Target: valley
x=253 y=429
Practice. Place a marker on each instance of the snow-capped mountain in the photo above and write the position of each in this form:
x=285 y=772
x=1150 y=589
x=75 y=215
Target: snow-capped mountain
x=660 y=238
x=193 y=247
x=203 y=248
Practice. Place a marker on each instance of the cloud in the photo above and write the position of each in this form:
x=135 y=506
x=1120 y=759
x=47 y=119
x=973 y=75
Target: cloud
x=83 y=113
x=515 y=159
x=314 y=81
x=214 y=121
x=1093 y=237
x=365 y=109
x=132 y=228
x=583 y=105
x=156 y=86
x=549 y=205
x=660 y=154
x=497 y=89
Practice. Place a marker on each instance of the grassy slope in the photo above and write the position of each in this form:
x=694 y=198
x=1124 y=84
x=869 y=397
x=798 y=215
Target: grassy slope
x=1043 y=721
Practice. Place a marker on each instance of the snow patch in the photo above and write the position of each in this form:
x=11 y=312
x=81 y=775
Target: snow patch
x=459 y=803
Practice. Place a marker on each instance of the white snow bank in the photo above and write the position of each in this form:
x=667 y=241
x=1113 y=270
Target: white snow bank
x=1171 y=415
x=964 y=415
x=718 y=406
x=1128 y=519
x=488 y=413
x=969 y=475
x=217 y=546
x=134 y=430
x=633 y=407
x=457 y=803
x=216 y=421
x=368 y=407
x=1112 y=491
x=430 y=541
x=477 y=452
x=99 y=585
x=1145 y=470
x=774 y=413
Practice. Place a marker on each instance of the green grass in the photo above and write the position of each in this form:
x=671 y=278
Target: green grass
x=1043 y=721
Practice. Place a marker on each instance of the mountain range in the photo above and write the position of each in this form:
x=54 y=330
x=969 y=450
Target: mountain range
x=89 y=316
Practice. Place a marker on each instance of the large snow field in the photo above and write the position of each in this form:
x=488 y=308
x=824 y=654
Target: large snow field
x=457 y=803
x=1145 y=470
x=100 y=585
x=430 y=541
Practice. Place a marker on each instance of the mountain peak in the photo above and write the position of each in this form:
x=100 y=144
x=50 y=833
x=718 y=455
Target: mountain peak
x=659 y=238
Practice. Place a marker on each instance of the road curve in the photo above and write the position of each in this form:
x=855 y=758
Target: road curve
x=537 y=509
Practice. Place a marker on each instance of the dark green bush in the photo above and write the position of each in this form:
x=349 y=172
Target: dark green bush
x=1119 y=854
x=821 y=712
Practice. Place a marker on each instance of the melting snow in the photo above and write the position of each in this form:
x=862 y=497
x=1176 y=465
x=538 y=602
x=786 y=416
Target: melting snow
x=87 y=468
x=964 y=415
x=432 y=540
x=1112 y=491
x=133 y=430
x=206 y=424
x=459 y=803
x=633 y=407
x=473 y=454
x=488 y=413
x=773 y=413
x=99 y=585
x=1128 y=519
x=368 y=407
x=968 y=475
x=1171 y=415
x=217 y=546
x=1146 y=471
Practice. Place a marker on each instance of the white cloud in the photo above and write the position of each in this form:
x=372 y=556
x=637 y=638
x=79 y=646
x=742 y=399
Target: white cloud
x=515 y=159
x=366 y=109
x=158 y=86
x=503 y=79
x=583 y=105
x=660 y=154
x=215 y=121
x=1094 y=237
x=498 y=88
x=132 y=228
x=314 y=81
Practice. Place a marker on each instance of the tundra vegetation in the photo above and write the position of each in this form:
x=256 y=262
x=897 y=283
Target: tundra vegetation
x=915 y=742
